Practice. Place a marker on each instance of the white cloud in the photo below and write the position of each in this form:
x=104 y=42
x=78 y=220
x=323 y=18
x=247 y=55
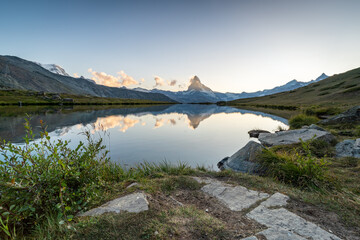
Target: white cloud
x=159 y=81
x=112 y=81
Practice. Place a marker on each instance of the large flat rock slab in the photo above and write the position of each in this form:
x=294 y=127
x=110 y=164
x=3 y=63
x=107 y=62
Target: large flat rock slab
x=135 y=203
x=284 y=222
x=293 y=136
x=235 y=198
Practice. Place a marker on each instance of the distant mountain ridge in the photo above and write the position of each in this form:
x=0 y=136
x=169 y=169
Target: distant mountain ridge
x=17 y=73
x=199 y=93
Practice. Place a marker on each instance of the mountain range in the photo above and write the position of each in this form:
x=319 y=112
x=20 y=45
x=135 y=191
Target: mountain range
x=199 y=93
x=17 y=73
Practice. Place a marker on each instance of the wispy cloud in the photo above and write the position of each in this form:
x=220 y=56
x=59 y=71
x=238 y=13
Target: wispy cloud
x=112 y=81
x=159 y=82
x=76 y=75
x=172 y=83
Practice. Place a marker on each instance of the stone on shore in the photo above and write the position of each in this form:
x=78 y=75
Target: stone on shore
x=294 y=136
x=243 y=160
x=135 y=203
x=255 y=133
x=348 y=148
x=350 y=116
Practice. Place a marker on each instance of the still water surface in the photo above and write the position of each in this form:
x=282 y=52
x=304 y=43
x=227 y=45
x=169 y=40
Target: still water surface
x=196 y=134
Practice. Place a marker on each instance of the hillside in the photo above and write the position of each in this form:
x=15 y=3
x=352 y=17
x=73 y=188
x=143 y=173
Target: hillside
x=17 y=73
x=341 y=90
x=14 y=97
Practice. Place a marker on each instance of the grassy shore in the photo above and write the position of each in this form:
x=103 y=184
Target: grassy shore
x=13 y=97
x=42 y=193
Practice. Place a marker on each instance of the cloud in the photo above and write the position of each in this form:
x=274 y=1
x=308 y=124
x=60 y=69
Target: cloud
x=76 y=75
x=112 y=81
x=172 y=83
x=126 y=79
x=122 y=123
x=159 y=81
x=173 y=121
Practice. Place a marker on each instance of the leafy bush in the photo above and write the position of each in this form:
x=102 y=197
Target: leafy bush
x=298 y=168
x=301 y=120
x=45 y=177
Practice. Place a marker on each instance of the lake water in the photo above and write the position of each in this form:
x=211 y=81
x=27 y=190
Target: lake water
x=196 y=134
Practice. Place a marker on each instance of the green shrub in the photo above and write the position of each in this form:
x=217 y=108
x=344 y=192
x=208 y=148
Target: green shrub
x=298 y=168
x=301 y=120
x=45 y=177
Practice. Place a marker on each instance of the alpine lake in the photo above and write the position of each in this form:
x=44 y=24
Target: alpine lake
x=199 y=135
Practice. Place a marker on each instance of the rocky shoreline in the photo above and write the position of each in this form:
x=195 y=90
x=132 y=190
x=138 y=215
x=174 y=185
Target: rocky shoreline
x=245 y=159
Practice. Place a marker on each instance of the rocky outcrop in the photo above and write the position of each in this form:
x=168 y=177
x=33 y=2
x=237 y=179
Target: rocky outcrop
x=243 y=160
x=255 y=133
x=294 y=136
x=351 y=115
x=135 y=202
x=348 y=148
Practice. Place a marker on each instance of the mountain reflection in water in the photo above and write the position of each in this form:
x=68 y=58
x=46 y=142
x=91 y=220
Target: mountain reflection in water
x=196 y=134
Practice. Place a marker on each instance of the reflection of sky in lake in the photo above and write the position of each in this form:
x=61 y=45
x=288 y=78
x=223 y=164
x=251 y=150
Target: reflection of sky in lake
x=197 y=140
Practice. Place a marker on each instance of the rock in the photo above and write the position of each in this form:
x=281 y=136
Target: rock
x=316 y=127
x=243 y=160
x=283 y=222
x=276 y=200
x=220 y=164
x=348 y=148
x=68 y=100
x=255 y=133
x=135 y=203
x=351 y=115
x=134 y=184
x=294 y=136
x=56 y=97
x=235 y=198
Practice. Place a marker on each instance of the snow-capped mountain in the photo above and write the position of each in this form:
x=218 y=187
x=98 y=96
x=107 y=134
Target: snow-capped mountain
x=54 y=69
x=198 y=92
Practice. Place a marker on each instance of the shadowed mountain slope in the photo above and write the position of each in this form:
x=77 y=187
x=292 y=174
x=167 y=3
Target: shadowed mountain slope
x=17 y=73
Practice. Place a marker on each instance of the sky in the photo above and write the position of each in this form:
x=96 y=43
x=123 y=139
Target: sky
x=231 y=45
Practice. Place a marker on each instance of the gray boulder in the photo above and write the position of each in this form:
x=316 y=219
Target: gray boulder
x=348 y=148
x=316 y=127
x=255 y=133
x=351 y=115
x=293 y=136
x=135 y=203
x=243 y=160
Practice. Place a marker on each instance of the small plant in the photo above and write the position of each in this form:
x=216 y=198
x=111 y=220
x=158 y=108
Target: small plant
x=302 y=120
x=298 y=168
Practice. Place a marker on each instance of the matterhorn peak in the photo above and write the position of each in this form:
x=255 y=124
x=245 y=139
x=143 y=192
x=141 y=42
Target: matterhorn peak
x=195 y=84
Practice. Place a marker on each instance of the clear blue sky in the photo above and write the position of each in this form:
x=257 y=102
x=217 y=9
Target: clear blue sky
x=231 y=45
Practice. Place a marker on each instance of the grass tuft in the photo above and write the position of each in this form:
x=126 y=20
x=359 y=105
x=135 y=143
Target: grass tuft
x=302 y=120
